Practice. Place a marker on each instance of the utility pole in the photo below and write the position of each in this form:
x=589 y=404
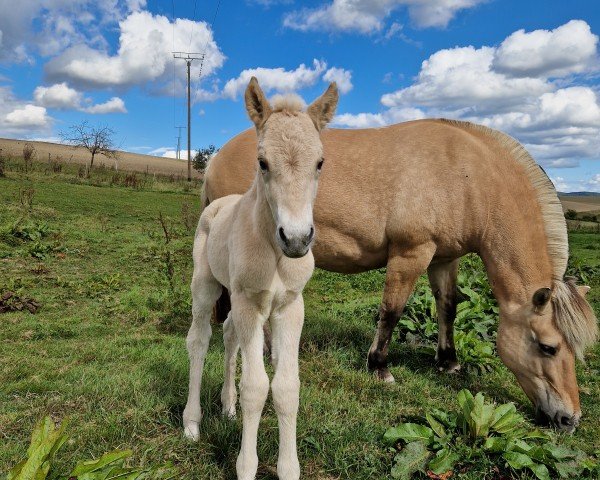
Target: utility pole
x=189 y=58
x=178 y=154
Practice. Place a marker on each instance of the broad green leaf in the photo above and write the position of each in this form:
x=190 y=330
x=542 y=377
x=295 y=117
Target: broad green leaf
x=35 y=463
x=481 y=416
x=447 y=419
x=436 y=426
x=15 y=470
x=443 y=462
x=537 y=433
x=505 y=418
x=541 y=471
x=520 y=446
x=568 y=469
x=104 y=460
x=559 y=452
x=410 y=460
x=495 y=444
x=517 y=460
x=40 y=433
x=409 y=432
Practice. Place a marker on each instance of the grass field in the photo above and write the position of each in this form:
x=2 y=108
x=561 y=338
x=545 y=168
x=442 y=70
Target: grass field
x=127 y=161
x=106 y=349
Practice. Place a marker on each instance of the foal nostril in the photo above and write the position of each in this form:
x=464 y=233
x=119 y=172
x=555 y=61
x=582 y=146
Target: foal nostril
x=282 y=236
x=310 y=236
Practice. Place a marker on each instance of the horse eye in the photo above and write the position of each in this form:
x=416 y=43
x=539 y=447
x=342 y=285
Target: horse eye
x=320 y=164
x=263 y=165
x=548 y=350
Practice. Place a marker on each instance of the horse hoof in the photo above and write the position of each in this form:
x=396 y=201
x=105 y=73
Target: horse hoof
x=191 y=430
x=449 y=367
x=229 y=413
x=384 y=375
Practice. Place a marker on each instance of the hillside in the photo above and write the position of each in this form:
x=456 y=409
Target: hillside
x=127 y=161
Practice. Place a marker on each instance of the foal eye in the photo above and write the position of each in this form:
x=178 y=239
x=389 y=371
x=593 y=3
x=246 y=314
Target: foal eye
x=548 y=350
x=320 y=164
x=263 y=165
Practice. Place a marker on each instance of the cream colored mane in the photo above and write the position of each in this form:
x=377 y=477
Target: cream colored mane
x=289 y=102
x=573 y=315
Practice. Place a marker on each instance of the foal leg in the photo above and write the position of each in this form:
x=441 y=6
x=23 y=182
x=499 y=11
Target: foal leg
x=403 y=270
x=229 y=393
x=287 y=327
x=205 y=292
x=254 y=384
x=442 y=278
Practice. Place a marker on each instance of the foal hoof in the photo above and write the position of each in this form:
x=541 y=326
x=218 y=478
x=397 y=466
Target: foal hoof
x=384 y=375
x=449 y=366
x=191 y=430
x=228 y=413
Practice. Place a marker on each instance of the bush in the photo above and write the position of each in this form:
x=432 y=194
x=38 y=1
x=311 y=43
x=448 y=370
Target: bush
x=29 y=154
x=482 y=432
x=570 y=214
x=47 y=440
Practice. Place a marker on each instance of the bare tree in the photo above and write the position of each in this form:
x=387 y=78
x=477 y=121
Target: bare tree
x=96 y=140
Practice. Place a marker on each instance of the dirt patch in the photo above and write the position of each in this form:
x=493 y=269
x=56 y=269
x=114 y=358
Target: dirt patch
x=11 y=302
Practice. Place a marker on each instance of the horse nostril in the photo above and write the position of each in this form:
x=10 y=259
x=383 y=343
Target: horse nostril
x=567 y=421
x=311 y=235
x=282 y=235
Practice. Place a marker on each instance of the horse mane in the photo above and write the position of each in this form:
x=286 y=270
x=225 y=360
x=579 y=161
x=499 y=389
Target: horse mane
x=289 y=103
x=572 y=313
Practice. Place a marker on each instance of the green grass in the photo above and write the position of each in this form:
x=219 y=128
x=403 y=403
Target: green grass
x=107 y=351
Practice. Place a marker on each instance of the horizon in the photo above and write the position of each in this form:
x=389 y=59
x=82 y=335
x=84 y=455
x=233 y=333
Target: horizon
x=533 y=74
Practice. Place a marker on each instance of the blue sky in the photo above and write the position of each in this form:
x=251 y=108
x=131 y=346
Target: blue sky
x=528 y=68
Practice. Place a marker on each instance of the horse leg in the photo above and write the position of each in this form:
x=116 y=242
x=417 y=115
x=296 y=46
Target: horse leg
x=286 y=329
x=403 y=269
x=229 y=393
x=254 y=384
x=205 y=292
x=442 y=278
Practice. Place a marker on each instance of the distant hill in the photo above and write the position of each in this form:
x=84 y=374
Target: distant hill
x=579 y=194
x=134 y=162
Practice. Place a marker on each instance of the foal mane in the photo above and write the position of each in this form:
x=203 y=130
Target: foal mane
x=573 y=315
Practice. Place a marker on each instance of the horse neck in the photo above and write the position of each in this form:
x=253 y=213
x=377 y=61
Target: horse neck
x=517 y=261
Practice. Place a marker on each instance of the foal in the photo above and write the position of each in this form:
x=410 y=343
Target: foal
x=258 y=247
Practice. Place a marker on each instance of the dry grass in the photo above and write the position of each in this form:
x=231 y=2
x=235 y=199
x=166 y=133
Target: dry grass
x=583 y=203
x=127 y=161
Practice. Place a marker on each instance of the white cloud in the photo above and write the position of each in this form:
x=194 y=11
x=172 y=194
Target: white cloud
x=62 y=97
x=114 y=105
x=49 y=26
x=342 y=77
x=570 y=48
x=59 y=96
x=28 y=116
x=144 y=54
x=536 y=98
x=368 y=16
x=170 y=152
x=368 y=120
x=276 y=79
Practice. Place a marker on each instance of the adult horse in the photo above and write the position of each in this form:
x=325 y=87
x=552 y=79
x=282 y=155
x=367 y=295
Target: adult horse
x=416 y=197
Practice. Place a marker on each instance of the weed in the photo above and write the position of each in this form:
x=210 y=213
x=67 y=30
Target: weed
x=29 y=154
x=26 y=195
x=189 y=219
x=482 y=432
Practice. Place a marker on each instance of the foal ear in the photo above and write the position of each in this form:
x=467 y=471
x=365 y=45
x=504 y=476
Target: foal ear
x=257 y=105
x=540 y=298
x=583 y=290
x=321 y=111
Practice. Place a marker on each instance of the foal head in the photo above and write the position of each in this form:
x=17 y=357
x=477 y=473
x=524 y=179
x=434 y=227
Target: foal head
x=539 y=342
x=289 y=160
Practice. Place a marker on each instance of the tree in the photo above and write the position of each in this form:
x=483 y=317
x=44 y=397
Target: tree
x=95 y=139
x=202 y=157
x=571 y=214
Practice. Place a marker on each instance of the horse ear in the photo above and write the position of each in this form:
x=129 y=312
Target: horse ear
x=583 y=290
x=321 y=111
x=540 y=298
x=257 y=105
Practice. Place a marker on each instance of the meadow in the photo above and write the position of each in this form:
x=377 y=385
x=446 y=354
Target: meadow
x=105 y=266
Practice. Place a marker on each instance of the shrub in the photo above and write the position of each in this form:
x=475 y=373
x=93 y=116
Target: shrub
x=29 y=154
x=570 y=214
x=482 y=432
x=47 y=440
x=2 y=164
